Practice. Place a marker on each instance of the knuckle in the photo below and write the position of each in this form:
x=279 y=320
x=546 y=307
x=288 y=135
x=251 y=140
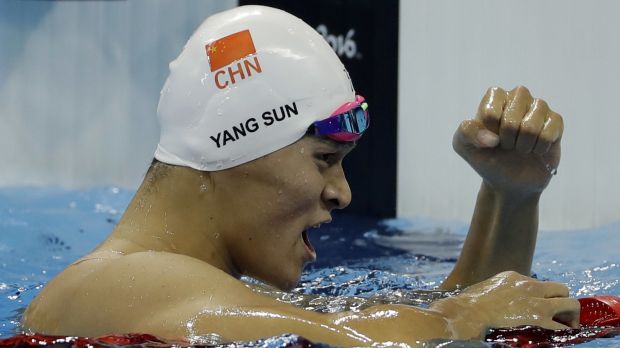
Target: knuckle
x=555 y=117
x=465 y=126
x=495 y=90
x=555 y=120
x=547 y=136
x=529 y=128
x=559 y=120
x=489 y=113
x=510 y=125
x=541 y=104
x=521 y=90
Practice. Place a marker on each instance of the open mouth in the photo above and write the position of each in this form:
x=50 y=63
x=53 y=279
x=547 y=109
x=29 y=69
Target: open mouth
x=309 y=247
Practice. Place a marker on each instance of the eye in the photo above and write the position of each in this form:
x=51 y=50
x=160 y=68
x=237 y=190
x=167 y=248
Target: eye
x=326 y=158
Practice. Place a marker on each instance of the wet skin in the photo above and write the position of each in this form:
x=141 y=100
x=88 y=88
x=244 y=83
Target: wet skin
x=514 y=145
x=171 y=265
x=298 y=188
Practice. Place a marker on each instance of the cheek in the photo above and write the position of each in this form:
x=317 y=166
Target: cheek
x=274 y=194
x=302 y=191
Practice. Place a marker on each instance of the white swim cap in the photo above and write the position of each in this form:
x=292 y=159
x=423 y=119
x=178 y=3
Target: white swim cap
x=249 y=81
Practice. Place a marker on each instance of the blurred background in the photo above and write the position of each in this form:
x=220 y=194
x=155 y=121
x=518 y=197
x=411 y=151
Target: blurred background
x=80 y=81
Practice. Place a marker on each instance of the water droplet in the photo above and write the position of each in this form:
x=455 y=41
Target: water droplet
x=279 y=192
x=219 y=112
x=204 y=187
x=219 y=165
x=302 y=150
x=291 y=31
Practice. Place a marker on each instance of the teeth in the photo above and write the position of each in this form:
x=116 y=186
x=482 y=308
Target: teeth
x=319 y=224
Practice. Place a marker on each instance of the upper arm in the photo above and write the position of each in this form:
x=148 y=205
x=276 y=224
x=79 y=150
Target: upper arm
x=201 y=300
x=247 y=323
x=259 y=317
x=176 y=297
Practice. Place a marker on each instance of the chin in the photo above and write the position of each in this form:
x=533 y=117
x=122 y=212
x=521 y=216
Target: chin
x=288 y=286
x=283 y=274
x=285 y=282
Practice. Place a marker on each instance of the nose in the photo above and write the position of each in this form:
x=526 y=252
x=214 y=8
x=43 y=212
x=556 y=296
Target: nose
x=336 y=193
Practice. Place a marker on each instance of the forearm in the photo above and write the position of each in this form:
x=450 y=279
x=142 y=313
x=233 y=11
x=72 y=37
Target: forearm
x=501 y=237
x=378 y=326
x=399 y=324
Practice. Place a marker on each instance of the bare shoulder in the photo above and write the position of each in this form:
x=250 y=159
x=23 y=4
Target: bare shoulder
x=133 y=293
x=176 y=296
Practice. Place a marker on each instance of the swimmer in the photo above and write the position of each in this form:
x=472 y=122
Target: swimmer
x=256 y=117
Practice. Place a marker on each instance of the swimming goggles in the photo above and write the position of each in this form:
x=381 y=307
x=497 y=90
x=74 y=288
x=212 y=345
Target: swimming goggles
x=347 y=123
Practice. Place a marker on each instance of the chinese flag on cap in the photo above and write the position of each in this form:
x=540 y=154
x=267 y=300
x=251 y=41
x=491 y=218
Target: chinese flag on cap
x=230 y=48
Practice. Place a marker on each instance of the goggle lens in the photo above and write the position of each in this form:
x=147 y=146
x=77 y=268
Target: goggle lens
x=348 y=123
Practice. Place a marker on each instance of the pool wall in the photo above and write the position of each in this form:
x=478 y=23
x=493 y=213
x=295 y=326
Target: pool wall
x=79 y=83
x=565 y=51
x=79 y=86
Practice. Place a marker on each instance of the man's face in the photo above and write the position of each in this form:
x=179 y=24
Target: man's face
x=267 y=207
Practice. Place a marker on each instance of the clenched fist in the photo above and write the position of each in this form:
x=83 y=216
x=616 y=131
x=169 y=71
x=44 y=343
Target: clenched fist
x=513 y=142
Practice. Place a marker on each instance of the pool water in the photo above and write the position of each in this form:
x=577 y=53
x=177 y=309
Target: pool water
x=43 y=230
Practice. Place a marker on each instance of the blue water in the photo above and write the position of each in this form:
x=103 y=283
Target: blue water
x=43 y=230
